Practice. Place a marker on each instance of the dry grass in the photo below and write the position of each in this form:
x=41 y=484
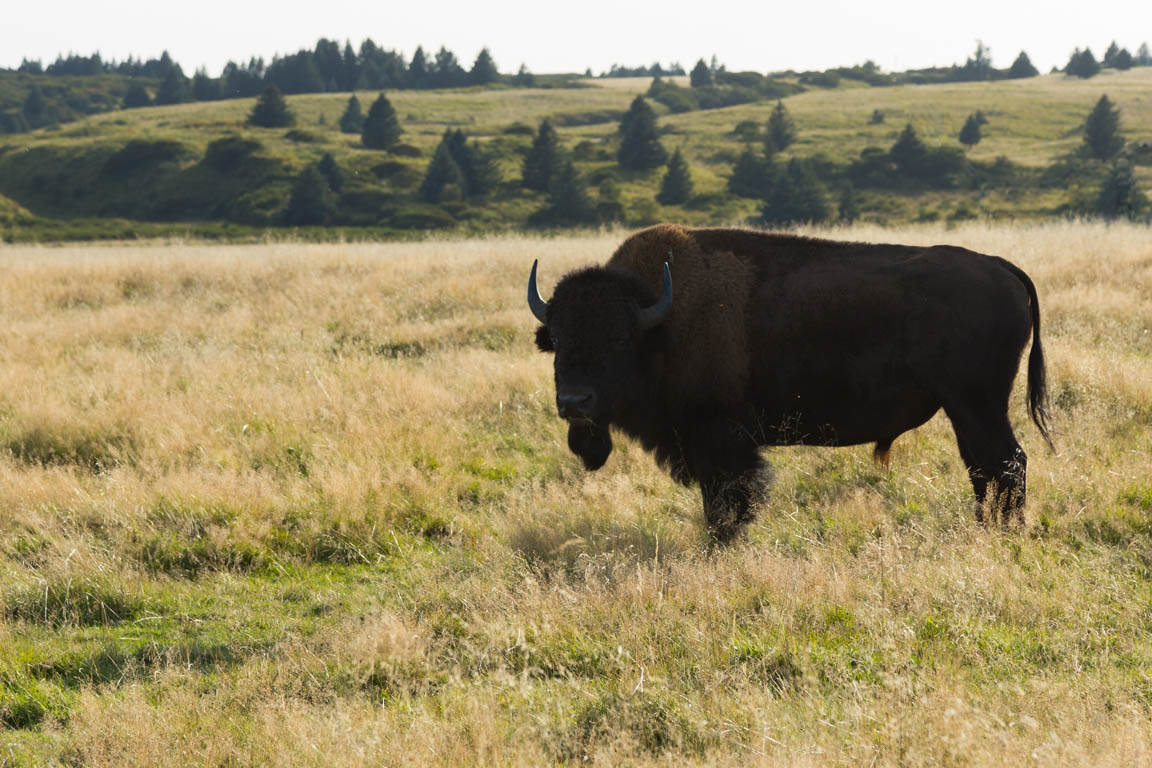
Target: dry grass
x=310 y=504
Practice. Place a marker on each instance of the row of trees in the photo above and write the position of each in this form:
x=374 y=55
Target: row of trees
x=1082 y=63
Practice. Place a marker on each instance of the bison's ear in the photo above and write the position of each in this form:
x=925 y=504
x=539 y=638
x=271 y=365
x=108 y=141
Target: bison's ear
x=544 y=339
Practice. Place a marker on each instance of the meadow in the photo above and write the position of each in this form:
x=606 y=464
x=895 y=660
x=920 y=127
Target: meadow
x=63 y=174
x=310 y=504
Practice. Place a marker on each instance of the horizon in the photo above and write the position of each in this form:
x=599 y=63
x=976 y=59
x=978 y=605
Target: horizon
x=792 y=38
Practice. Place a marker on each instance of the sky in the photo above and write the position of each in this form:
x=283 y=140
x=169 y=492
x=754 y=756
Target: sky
x=570 y=37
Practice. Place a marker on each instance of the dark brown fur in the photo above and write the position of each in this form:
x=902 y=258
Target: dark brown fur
x=783 y=340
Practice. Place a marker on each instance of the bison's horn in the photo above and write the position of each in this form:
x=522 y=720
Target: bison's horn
x=537 y=304
x=652 y=316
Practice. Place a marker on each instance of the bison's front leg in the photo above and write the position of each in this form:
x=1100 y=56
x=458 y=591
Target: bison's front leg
x=732 y=478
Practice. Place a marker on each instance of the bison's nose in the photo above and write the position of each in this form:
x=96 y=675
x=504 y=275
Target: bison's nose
x=575 y=405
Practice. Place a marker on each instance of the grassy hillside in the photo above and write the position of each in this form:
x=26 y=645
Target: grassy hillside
x=311 y=505
x=1033 y=123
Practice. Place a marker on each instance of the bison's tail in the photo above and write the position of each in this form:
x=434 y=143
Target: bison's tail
x=1037 y=375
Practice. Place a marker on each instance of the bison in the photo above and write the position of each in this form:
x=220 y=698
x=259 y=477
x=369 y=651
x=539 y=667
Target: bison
x=709 y=344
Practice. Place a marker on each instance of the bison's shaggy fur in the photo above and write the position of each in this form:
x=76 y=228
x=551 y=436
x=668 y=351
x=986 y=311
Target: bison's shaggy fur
x=783 y=340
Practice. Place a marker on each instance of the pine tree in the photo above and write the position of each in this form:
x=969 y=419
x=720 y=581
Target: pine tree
x=524 y=78
x=781 y=129
x=1102 y=137
x=1082 y=64
x=443 y=172
x=34 y=107
x=750 y=175
x=417 y=75
x=331 y=172
x=1143 y=56
x=174 y=88
x=1121 y=196
x=568 y=198
x=701 y=75
x=849 y=206
x=1110 y=55
x=640 y=149
x=796 y=196
x=676 y=187
x=970 y=133
x=271 y=111
x=205 y=88
x=1123 y=60
x=1022 y=68
x=136 y=97
x=908 y=153
x=543 y=159
x=483 y=69
x=381 y=127
x=311 y=203
x=352 y=121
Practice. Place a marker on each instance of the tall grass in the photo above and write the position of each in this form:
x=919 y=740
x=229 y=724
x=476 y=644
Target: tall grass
x=310 y=504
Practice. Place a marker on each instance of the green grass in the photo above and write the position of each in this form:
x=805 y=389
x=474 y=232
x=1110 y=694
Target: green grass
x=64 y=174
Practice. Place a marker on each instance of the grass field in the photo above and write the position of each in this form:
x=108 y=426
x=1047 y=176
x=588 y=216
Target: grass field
x=310 y=505
x=1033 y=122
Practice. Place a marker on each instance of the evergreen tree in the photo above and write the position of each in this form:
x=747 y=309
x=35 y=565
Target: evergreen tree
x=1121 y=196
x=978 y=66
x=331 y=172
x=1082 y=64
x=796 y=196
x=781 y=129
x=417 y=75
x=136 y=97
x=1123 y=60
x=524 y=78
x=640 y=149
x=349 y=70
x=908 y=153
x=352 y=121
x=483 y=69
x=568 y=198
x=271 y=111
x=543 y=159
x=35 y=107
x=174 y=88
x=1022 y=68
x=701 y=75
x=443 y=172
x=381 y=128
x=1110 y=55
x=849 y=206
x=205 y=88
x=1143 y=56
x=446 y=70
x=1102 y=137
x=970 y=133
x=750 y=175
x=676 y=187
x=311 y=203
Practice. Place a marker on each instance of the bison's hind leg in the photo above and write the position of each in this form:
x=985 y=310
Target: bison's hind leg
x=997 y=465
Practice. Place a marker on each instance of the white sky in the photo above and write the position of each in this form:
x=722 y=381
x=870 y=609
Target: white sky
x=755 y=35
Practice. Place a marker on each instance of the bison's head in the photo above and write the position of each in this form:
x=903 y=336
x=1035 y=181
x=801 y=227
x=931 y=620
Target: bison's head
x=602 y=324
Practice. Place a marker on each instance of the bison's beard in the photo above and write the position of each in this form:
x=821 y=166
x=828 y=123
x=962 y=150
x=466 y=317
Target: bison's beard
x=592 y=443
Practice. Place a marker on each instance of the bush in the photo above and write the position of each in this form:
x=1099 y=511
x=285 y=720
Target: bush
x=144 y=155
x=224 y=154
x=1120 y=195
x=420 y=216
x=311 y=203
